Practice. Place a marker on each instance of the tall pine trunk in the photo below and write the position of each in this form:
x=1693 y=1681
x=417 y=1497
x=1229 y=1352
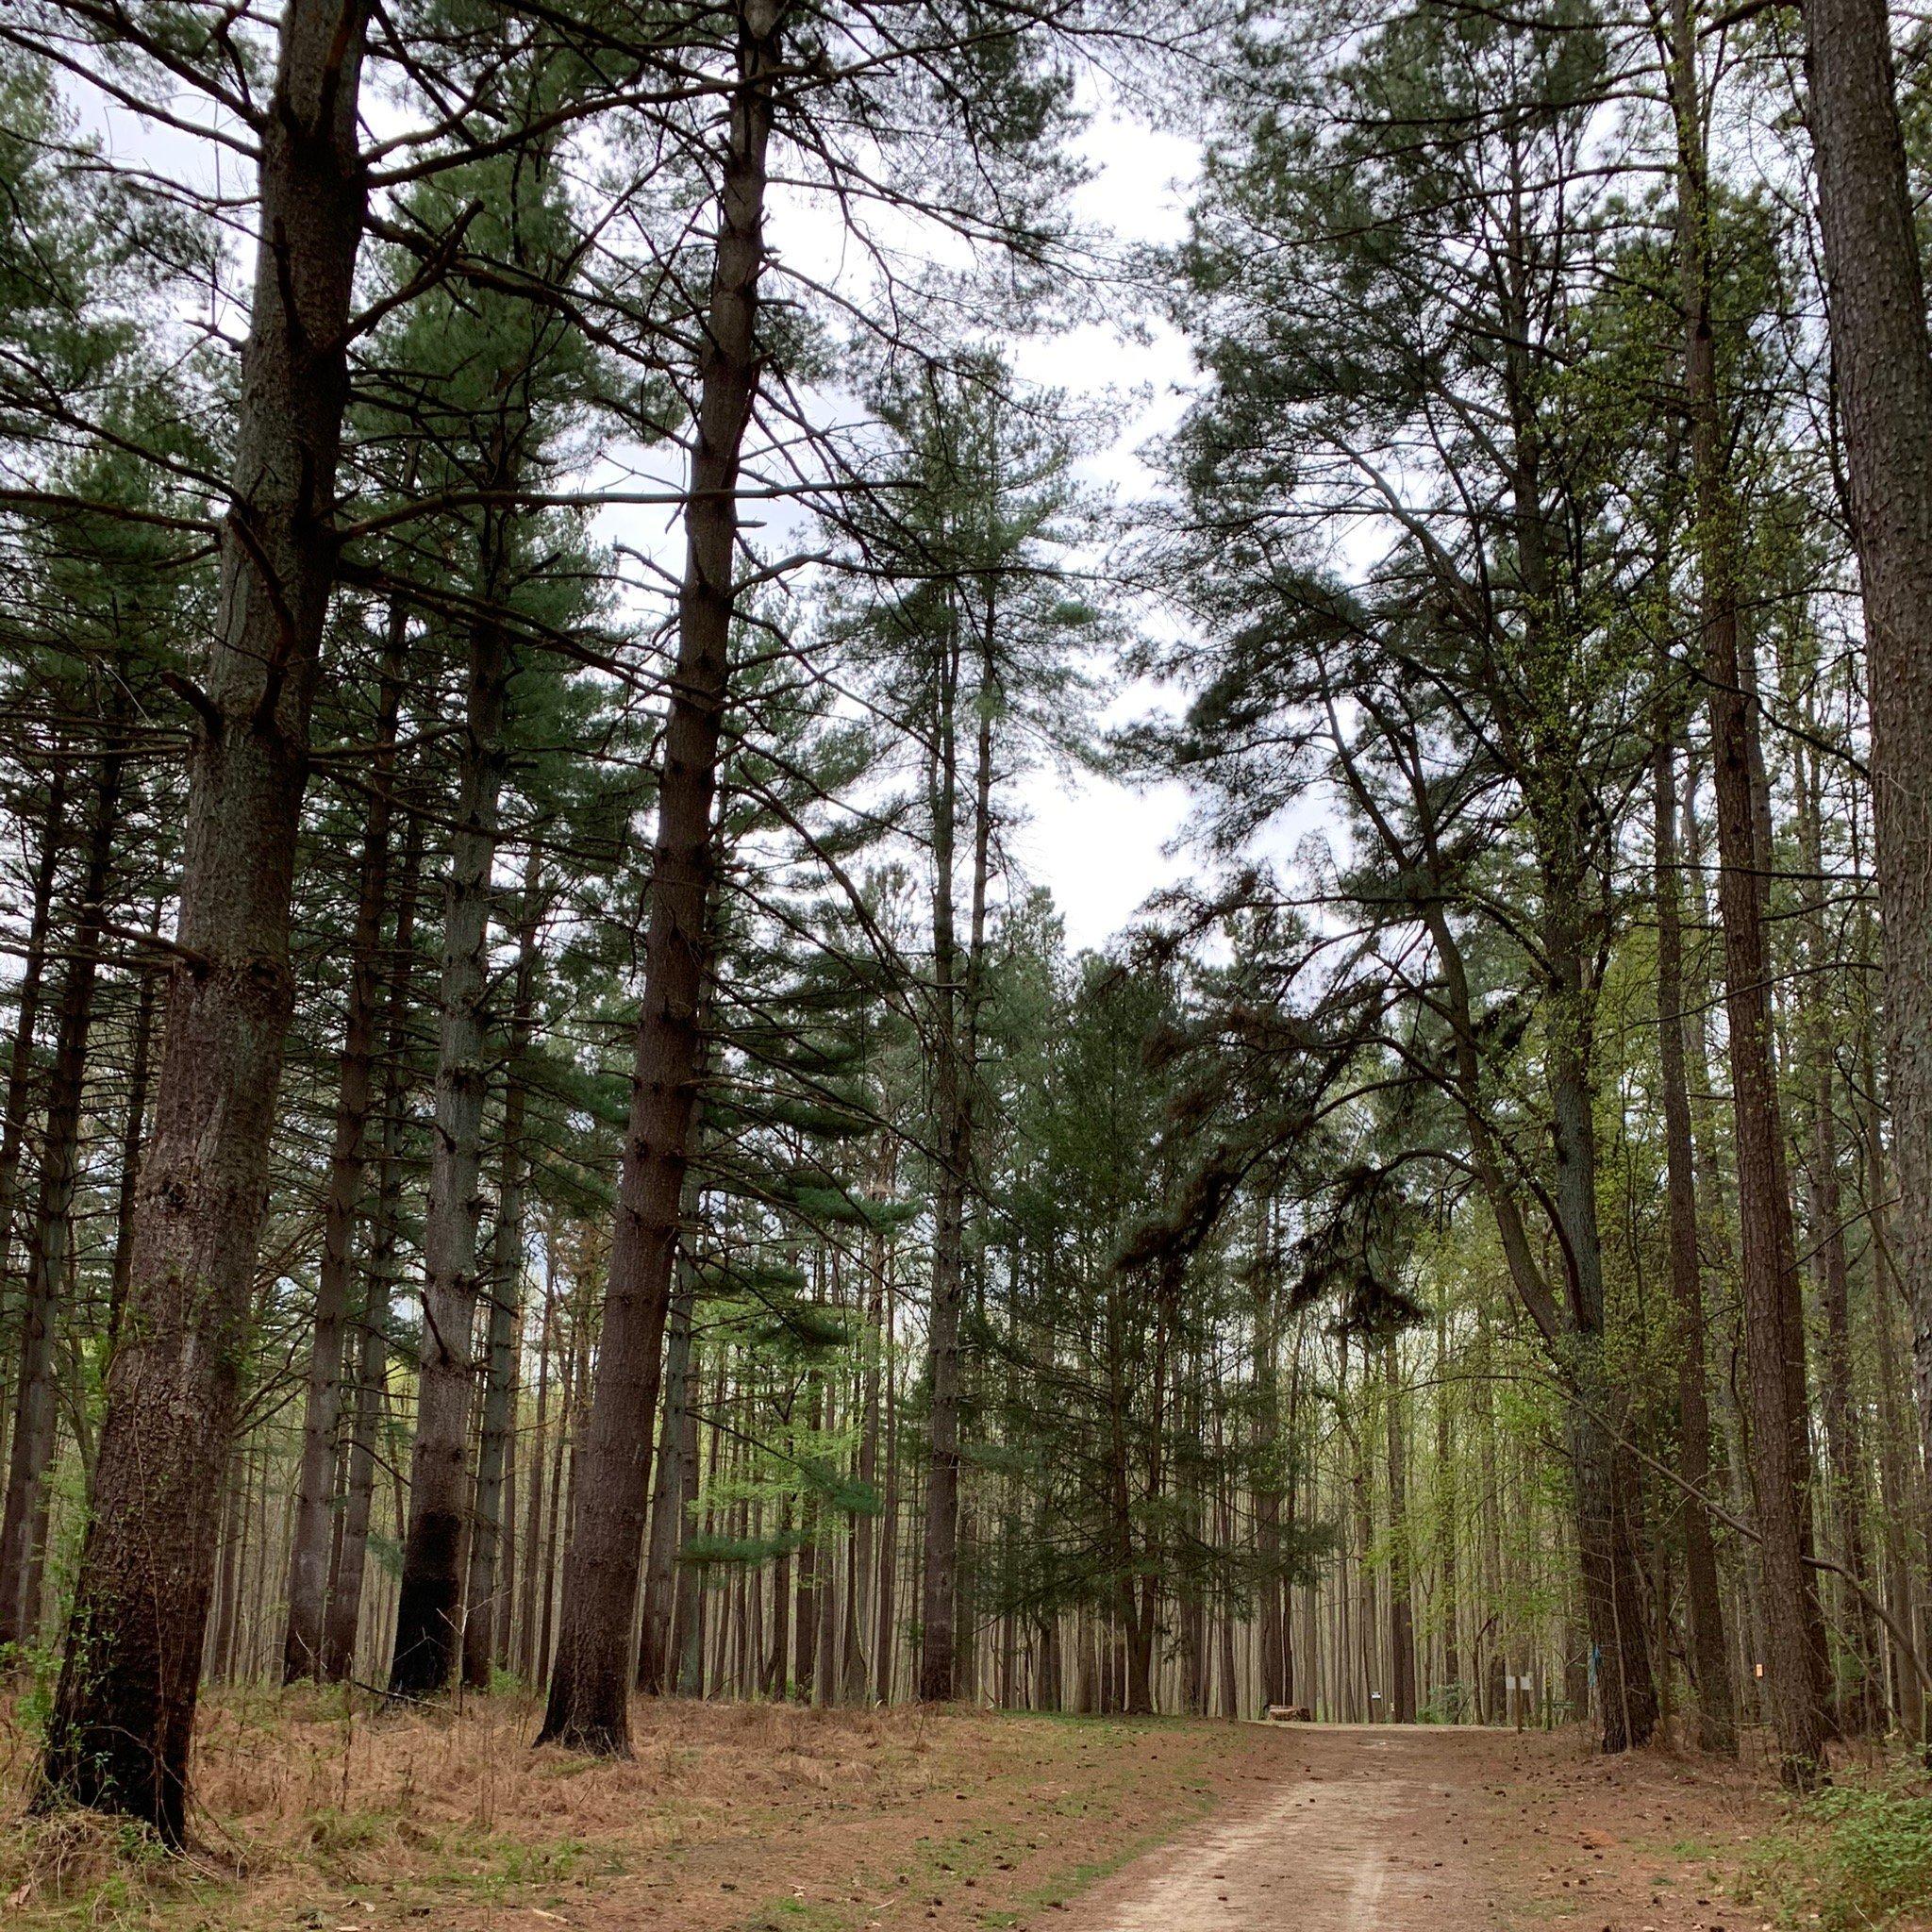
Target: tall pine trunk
x=590 y=1686
x=1876 y=300
x=957 y=1006
x=118 y=1735
x=1773 y=1330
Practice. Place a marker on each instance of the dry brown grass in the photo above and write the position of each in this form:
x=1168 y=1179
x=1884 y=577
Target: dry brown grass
x=317 y=1810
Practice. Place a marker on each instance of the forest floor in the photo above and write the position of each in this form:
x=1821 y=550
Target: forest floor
x=317 y=1818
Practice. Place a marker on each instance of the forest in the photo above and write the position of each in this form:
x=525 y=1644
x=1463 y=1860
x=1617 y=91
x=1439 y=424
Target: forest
x=564 y=1163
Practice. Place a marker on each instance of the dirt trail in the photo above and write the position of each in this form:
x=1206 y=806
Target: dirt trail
x=1396 y=1829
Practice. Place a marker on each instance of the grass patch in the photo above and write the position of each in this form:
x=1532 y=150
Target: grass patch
x=319 y=1809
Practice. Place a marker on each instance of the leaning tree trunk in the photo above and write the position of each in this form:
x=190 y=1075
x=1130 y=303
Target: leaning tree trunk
x=1875 y=299
x=24 y=1530
x=312 y=1537
x=429 y=1601
x=118 y=1735
x=590 y=1683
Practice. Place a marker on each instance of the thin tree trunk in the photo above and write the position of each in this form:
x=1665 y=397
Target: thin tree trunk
x=693 y=1578
x=429 y=1601
x=1717 y=1728
x=940 y=1549
x=133 y=1134
x=486 y=1602
x=1276 y=1688
x=588 y=1706
x=24 y=1532
x=534 y=1569
x=558 y=1528
x=811 y=1598
x=1449 y=1511
x=655 y=1659
x=1863 y=1707
x=1402 y=1695
x=313 y=1540
x=20 y=1066
x=885 y=1650
x=343 y=1622
x=857 y=1672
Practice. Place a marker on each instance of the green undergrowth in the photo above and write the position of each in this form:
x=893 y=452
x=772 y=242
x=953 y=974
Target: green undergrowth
x=1855 y=1857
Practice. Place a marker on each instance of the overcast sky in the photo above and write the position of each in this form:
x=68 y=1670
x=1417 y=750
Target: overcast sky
x=1101 y=848
x=1098 y=847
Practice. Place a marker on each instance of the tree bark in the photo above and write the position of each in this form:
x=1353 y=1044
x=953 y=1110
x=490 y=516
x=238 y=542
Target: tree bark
x=692 y=1595
x=956 y=1020
x=313 y=1540
x=486 y=1607
x=133 y=1134
x=1876 y=301
x=20 y=1066
x=118 y=1735
x=429 y=1602
x=536 y=1570
x=1276 y=1686
x=1774 y=1333
x=590 y=1689
x=1897 y=1464
x=1716 y=1724
x=857 y=1670
x=1862 y=1705
x=655 y=1660
x=1448 y=1526
x=348 y=1561
x=939 y=1549
x=1402 y=1695
x=23 y=1531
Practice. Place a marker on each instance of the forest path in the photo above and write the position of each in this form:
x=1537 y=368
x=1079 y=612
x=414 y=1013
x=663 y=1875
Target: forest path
x=1398 y=1828
x=1365 y=1836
